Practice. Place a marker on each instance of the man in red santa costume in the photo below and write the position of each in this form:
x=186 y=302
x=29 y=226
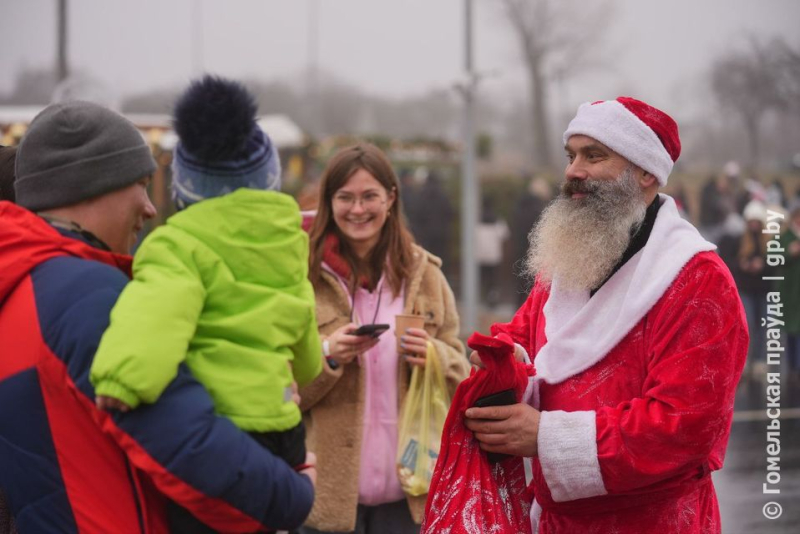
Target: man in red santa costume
x=637 y=336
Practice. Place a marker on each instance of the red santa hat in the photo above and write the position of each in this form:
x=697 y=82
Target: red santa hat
x=642 y=134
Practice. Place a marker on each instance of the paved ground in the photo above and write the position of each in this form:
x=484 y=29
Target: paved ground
x=739 y=483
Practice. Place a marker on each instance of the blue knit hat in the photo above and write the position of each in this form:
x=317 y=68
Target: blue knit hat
x=220 y=147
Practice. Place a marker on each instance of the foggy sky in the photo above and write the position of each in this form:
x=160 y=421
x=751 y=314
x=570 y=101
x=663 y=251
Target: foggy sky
x=657 y=50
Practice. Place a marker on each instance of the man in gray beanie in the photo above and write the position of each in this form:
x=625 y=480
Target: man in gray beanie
x=8 y=155
x=77 y=164
x=76 y=151
x=65 y=466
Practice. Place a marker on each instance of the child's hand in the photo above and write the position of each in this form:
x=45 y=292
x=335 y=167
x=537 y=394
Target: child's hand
x=110 y=403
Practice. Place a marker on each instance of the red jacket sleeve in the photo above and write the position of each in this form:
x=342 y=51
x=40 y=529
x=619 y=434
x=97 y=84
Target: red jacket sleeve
x=698 y=342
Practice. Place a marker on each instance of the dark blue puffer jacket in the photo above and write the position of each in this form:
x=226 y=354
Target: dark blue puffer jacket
x=67 y=467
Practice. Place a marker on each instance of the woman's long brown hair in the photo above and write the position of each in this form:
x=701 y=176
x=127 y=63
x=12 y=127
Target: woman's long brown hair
x=393 y=250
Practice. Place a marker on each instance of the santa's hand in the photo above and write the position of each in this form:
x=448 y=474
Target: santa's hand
x=475 y=358
x=512 y=429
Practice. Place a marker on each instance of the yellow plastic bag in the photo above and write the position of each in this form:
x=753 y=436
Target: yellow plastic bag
x=421 y=422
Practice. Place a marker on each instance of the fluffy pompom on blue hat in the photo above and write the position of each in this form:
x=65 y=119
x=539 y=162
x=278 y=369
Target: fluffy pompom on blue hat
x=220 y=147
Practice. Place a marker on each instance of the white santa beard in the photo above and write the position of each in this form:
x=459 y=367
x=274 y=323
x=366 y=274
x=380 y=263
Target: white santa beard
x=579 y=241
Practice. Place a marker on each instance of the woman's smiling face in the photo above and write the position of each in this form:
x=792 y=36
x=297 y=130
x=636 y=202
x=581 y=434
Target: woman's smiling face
x=360 y=209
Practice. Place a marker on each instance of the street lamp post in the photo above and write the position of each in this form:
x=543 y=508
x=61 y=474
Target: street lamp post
x=312 y=74
x=197 y=38
x=470 y=277
x=63 y=69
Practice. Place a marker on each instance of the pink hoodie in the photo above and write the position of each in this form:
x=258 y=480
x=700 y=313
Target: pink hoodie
x=377 y=479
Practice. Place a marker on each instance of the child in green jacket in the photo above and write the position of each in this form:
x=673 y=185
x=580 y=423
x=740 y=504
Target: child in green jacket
x=223 y=285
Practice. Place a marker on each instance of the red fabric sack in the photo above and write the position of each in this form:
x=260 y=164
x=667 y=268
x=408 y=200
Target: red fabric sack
x=468 y=494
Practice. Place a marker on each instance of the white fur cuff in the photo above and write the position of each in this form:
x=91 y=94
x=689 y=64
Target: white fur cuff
x=568 y=454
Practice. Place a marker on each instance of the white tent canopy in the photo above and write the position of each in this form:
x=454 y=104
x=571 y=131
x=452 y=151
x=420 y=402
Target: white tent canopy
x=18 y=114
x=283 y=131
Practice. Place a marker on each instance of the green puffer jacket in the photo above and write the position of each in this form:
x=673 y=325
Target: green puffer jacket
x=222 y=285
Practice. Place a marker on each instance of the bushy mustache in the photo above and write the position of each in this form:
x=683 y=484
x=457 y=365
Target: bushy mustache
x=579 y=242
x=571 y=187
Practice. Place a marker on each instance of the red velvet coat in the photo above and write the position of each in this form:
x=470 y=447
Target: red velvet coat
x=628 y=444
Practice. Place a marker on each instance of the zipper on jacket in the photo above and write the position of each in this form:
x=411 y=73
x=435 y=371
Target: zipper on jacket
x=137 y=497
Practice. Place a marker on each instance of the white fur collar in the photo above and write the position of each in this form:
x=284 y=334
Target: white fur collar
x=580 y=330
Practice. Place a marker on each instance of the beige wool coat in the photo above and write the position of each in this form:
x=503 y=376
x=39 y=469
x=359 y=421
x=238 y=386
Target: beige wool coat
x=333 y=405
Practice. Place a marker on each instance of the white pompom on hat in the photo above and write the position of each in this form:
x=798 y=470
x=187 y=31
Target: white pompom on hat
x=642 y=134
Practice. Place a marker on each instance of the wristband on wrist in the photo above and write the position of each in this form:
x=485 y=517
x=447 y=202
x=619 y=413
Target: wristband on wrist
x=326 y=352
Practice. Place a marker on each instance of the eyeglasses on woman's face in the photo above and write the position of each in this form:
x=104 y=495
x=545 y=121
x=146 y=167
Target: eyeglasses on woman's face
x=360 y=209
x=370 y=201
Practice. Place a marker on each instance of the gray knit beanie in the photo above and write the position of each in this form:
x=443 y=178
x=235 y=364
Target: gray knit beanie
x=74 y=151
x=8 y=155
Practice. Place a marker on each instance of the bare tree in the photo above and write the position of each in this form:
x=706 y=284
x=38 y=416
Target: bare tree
x=753 y=82
x=558 y=40
x=786 y=65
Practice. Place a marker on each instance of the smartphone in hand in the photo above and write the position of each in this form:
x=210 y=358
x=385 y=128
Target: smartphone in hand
x=501 y=398
x=372 y=330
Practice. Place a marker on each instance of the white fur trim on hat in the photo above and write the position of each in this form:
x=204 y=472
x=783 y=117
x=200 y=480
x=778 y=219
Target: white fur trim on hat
x=619 y=129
